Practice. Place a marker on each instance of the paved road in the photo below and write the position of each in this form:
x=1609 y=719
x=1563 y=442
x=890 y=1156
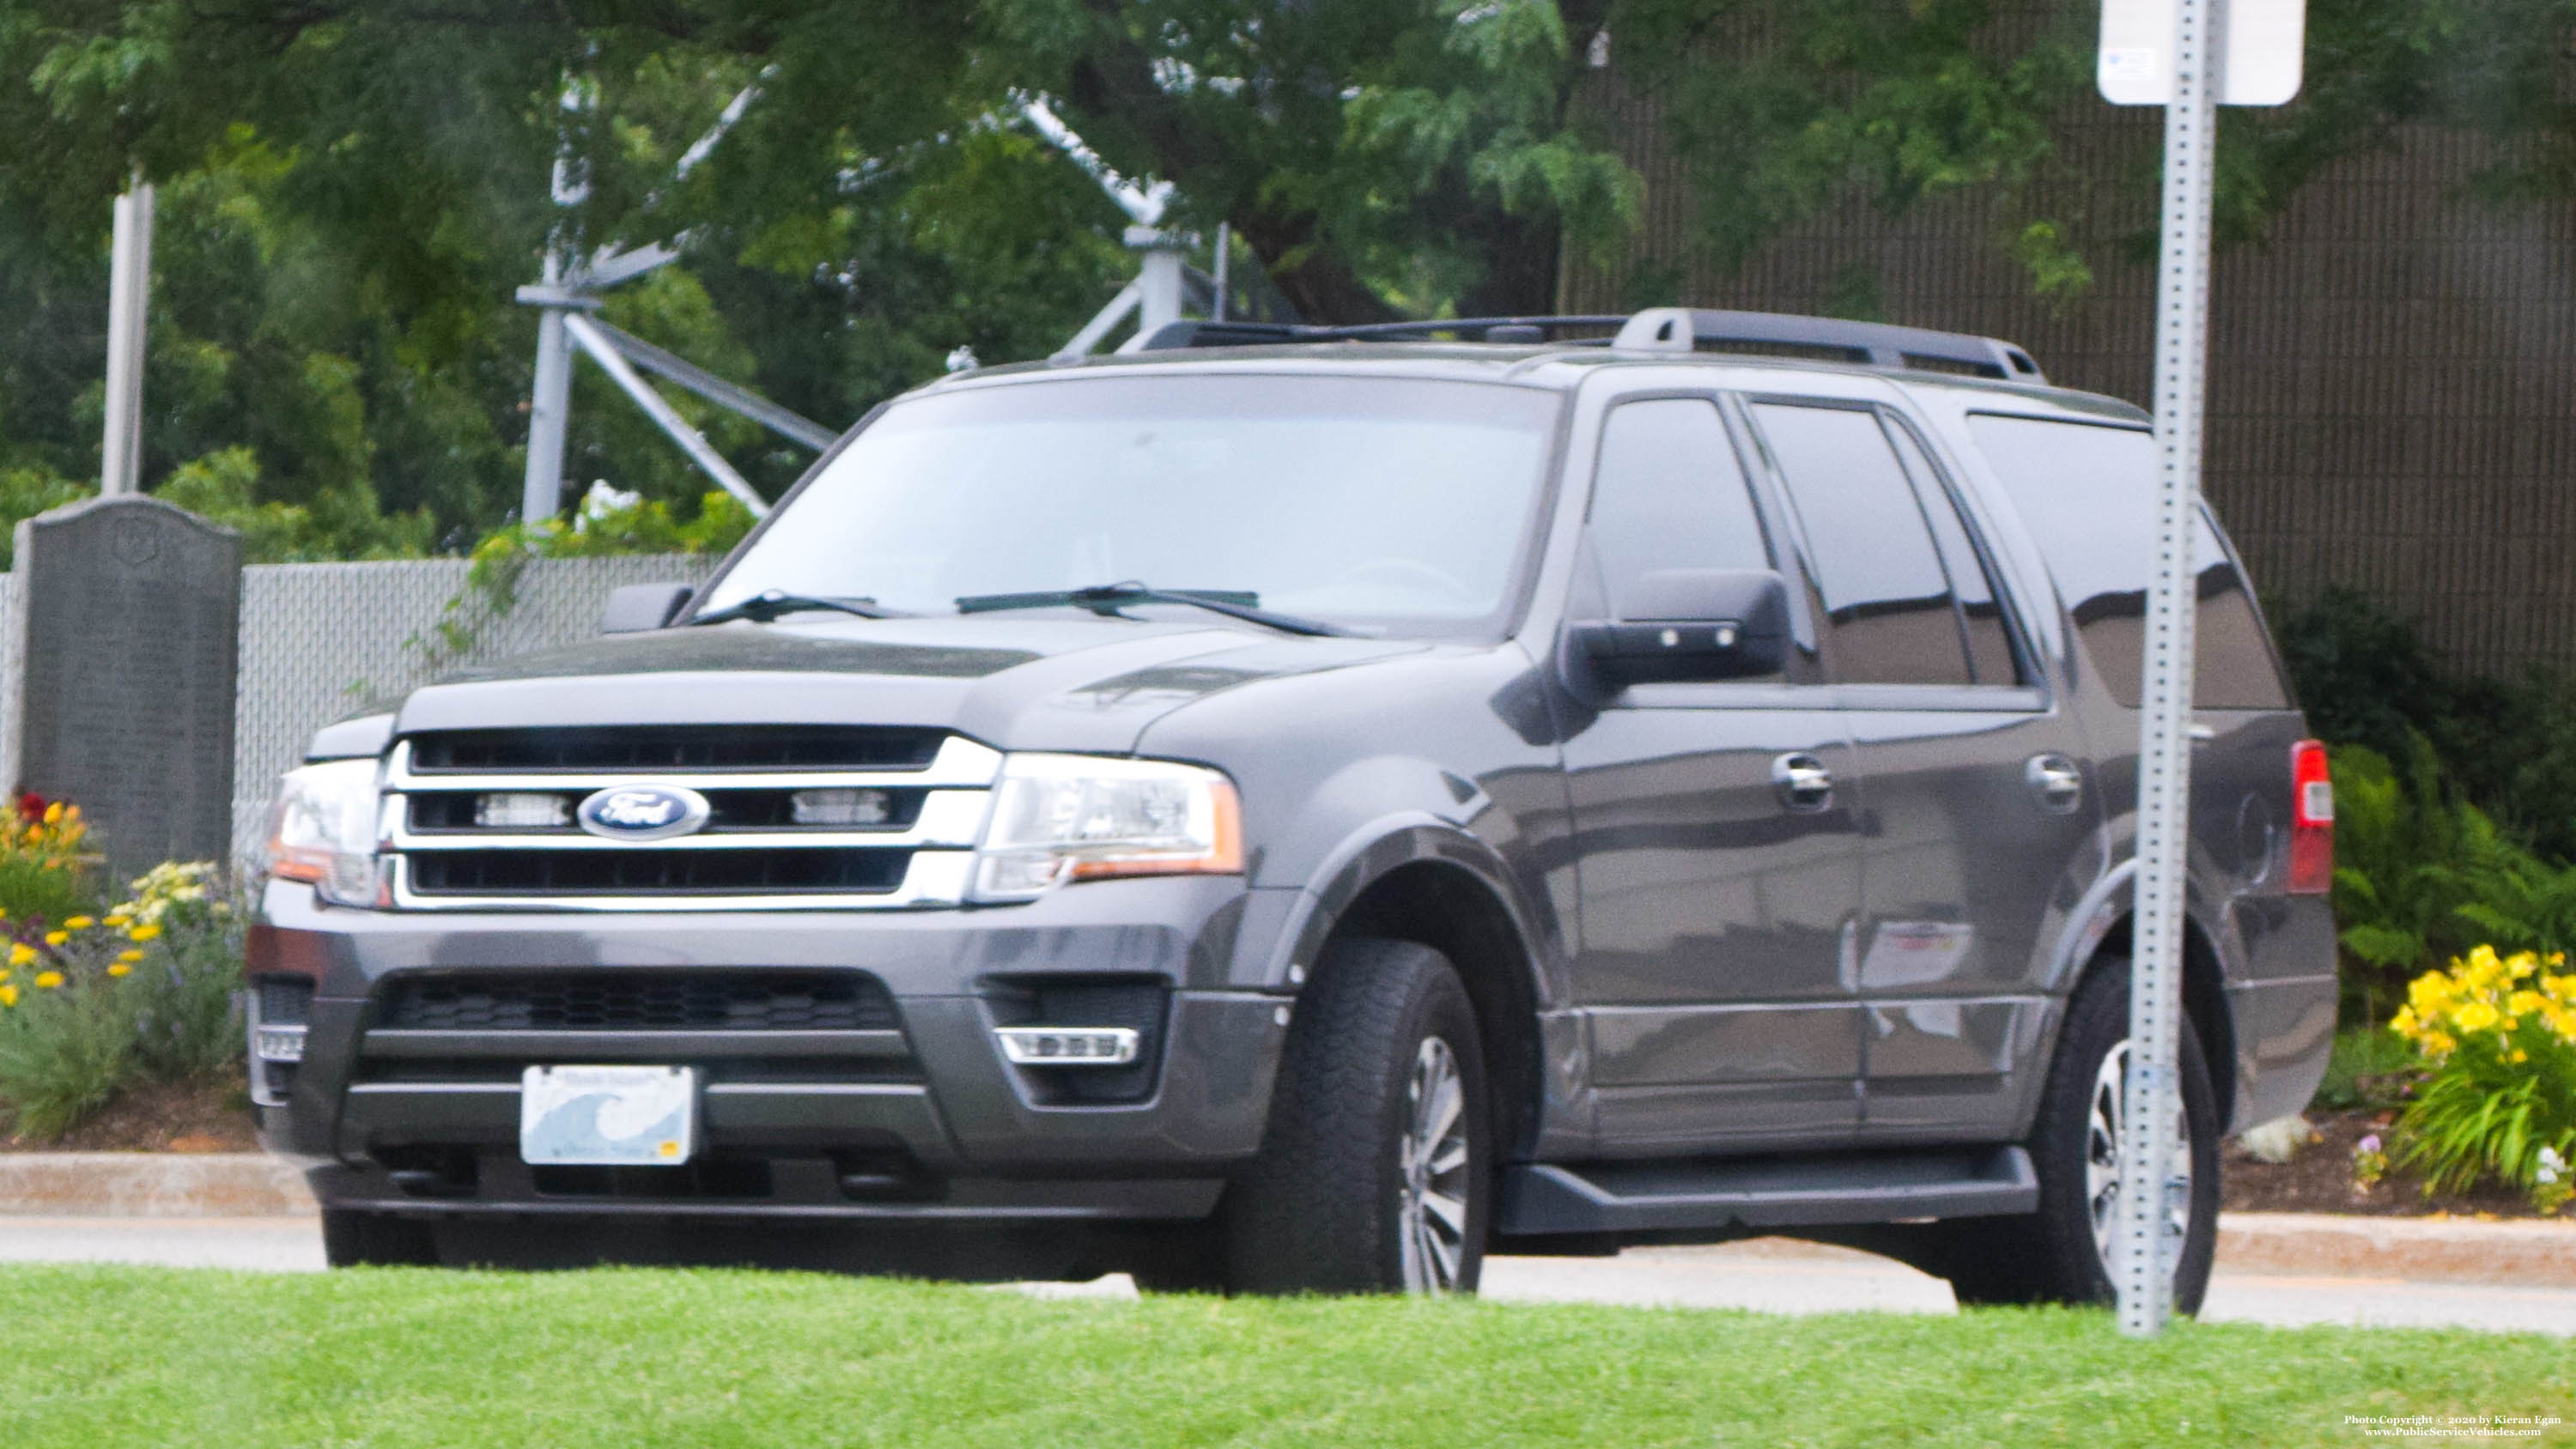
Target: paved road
x=1770 y=1275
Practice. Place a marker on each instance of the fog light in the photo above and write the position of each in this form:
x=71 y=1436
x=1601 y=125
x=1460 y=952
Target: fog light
x=1068 y=1046
x=521 y=811
x=839 y=807
x=281 y=1044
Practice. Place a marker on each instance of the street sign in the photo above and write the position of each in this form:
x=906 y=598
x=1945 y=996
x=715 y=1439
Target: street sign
x=2258 y=49
x=2188 y=56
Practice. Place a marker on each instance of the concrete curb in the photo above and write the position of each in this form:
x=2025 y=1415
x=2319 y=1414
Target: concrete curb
x=149 y=1185
x=2305 y=1245
x=2527 y=1254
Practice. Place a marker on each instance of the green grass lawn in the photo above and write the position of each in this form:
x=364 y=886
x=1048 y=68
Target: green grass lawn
x=109 y=1356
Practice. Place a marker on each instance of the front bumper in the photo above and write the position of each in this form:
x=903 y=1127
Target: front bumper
x=924 y=1120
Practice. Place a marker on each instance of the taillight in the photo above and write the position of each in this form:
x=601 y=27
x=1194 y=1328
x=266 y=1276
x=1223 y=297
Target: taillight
x=2311 y=820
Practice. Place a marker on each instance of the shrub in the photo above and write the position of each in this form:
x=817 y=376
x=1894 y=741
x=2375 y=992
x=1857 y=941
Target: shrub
x=144 y=991
x=2497 y=1037
x=2508 y=745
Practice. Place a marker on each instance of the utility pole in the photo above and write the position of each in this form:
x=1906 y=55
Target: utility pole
x=129 y=292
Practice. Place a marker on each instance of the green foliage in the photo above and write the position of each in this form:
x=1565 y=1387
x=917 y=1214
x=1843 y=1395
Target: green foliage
x=2366 y=677
x=2369 y=1068
x=2481 y=1116
x=338 y=523
x=94 y=1002
x=186 y=1026
x=65 y=1052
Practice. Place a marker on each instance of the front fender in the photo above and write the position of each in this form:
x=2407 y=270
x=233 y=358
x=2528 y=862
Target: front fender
x=1371 y=852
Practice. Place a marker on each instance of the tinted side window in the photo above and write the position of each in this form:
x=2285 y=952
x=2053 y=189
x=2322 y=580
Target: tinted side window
x=1981 y=611
x=2088 y=494
x=1884 y=591
x=1671 y=495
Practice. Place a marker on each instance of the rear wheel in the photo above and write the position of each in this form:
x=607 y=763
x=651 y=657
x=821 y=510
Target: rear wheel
x=354 y=1239
x=1376 y=1173
x=2063 y=1252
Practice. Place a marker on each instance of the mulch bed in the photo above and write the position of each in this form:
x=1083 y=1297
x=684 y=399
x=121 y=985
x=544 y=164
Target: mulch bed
x=197 y=1117
x=2319 y=1179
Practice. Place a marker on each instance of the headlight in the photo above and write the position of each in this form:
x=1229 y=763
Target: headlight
x=324 y=830
x=1077 y=817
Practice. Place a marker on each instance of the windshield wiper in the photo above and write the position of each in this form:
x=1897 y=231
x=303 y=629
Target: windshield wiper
x=1106 y=600
x=761 y=608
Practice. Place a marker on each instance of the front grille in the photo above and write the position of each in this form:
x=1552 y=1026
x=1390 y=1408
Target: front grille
x=641 y=1001
x=643 y=871
x=737 y=810
x=893 y=816
x=675 y=747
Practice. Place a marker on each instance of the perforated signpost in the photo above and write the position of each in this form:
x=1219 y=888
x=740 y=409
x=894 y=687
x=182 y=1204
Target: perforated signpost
x=2189 y=56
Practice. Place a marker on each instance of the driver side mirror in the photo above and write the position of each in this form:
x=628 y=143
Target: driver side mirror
x=638 y=607
x=1690 y=625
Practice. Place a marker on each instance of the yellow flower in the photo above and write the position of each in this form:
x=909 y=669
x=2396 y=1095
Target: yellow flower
x=21 y=954
x=2524 y=1003
x=48 y=980
x=8 y=995
x=54 y=813
x=78 y=923
x=2475 y=1016
x=144 y=932
x=2439 y=1044
x=56 y=938
x=129 y=956
x=120 y=969
x=2522 y=965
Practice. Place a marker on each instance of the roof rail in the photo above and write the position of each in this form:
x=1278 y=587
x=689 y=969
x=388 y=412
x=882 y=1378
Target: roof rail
x=1525 y=330
x=1872 y=344
x=1659 y=329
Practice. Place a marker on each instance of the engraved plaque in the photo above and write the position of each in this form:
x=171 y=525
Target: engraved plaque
x=127 y=611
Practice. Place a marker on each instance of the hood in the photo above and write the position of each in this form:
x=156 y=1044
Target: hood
x=1013 y=682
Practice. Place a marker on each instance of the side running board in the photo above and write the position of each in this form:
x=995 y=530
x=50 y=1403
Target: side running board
x=1770 y=1192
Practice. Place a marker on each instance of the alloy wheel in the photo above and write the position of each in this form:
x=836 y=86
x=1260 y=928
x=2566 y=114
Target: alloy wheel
x=1432 y=1172
x=2104 y=1175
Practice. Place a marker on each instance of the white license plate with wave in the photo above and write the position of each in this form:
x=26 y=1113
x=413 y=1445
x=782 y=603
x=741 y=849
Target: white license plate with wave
x=608 y=1116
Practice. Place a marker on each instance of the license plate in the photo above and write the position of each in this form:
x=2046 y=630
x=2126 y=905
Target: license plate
x=608 y=1116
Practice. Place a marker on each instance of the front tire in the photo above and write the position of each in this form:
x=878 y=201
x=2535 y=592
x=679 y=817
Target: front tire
x=1376 y=1174
x=2061 y=1253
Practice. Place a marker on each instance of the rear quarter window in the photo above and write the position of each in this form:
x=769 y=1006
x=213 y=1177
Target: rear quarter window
x=2087 y=492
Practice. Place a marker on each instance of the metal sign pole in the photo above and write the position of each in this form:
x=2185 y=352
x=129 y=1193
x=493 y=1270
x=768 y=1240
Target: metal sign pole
x=2153 y=1098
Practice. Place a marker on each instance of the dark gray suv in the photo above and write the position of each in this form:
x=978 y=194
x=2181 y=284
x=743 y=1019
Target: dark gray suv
x=1299 y=809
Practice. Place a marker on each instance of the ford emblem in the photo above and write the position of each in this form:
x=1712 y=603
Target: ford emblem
x=643 y=812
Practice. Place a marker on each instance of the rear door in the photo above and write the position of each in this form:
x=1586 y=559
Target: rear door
x=1976 y=793
x=1718 y=908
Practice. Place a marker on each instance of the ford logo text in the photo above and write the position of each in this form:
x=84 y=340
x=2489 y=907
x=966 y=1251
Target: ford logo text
x=643 y=812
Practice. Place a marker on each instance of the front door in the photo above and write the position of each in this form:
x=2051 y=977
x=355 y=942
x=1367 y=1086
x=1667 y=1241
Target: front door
x=1718 y=864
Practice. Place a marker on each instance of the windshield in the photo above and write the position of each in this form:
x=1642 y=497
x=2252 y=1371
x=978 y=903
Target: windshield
x=1378 y=505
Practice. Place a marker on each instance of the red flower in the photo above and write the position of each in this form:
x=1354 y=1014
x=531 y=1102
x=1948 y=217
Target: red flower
x=32 y=806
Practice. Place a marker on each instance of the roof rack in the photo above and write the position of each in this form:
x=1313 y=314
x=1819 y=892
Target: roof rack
x=1524 y=330
x=1660 y=329
x=1829 y=339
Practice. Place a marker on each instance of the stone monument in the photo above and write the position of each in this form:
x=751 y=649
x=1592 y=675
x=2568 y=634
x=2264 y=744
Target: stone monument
x=123 y=619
